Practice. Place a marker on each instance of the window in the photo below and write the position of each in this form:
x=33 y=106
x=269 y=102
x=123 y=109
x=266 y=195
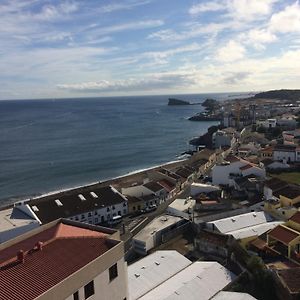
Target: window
x=82 y=216
x=119 y=213
x=107 y=209
x=113 y=272
x=113 y=207
x=124 y=204
x=76 y=296
x=89 y=290
x=89 y=214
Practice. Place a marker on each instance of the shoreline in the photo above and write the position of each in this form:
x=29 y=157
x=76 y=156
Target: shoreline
x=108 y=181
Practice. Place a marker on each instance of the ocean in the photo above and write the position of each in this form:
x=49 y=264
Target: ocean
x=48 y=145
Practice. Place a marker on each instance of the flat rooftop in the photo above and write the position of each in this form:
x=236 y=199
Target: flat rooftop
x=51 y=254
x=182 y=204
x=155 y=225
x=149 y=272
x=232 y=296
x=12 y=218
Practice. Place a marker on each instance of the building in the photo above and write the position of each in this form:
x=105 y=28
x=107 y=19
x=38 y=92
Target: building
x=269 y=123
x=64 y=260
x=182 y=208
x=89 y=205
x=285 y=153
x=213 y=243
x=200 y=280
x=152 y=270
x=285 y=238
x=156 y=232
x=233 y=166
x=232 y=296
x=203 y=188
x=244 y=227
x=221 y=138
x=14 y=222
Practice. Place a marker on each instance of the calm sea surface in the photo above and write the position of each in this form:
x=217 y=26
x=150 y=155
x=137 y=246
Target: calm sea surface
x=47 y=145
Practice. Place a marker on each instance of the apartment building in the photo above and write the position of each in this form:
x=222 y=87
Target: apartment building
x=64 y=260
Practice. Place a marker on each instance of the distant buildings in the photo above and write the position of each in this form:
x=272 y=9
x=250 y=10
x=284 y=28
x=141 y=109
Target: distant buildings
x=64 y=260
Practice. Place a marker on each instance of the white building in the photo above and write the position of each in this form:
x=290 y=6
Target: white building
x=64 y=260
x=182 y=208
x=220 y=138
x=152 y=270
x=89 y=205
x=200 y=280
x=245 y=225
x=199 y=188
x=269 y=123
x=152 y=235
x=234 y=166
x=285 y=153
x=14 y=222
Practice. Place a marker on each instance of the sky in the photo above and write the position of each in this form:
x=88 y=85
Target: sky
x=52 y=49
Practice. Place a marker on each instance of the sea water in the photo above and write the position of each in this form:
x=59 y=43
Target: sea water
x=53 y=144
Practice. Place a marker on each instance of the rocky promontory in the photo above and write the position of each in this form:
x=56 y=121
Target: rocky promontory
x=173 y=101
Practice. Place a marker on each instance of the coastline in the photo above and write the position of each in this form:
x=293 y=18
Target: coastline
x=133 y=175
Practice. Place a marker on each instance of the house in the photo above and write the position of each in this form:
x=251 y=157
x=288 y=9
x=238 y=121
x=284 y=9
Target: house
x=14 y=222
x=285 y=153
x=203 y=188
x=156 y=232
x=182 y=208
x=287 y=122
x=213 y=243
x=151 y=187
x=285 y=238
x=283 y=200
x=288 y=283
x=269 y=123
x=169 y=187
x=90 y=205
x=64 y=260
x=223 y=173
x=267 y=152
x=221 y=138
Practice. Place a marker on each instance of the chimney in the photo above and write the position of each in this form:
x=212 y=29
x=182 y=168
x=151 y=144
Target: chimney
x=21 y=256
x=39 y=246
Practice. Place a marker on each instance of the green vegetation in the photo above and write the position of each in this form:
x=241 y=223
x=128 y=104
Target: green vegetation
x=291 y=177
x=258 y=281
x=292 y=95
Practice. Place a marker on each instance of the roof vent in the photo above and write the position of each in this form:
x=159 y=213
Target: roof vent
x=21 y=256
x=81 y=197
x=157 y=263
x=137 y=275
x=232 y=219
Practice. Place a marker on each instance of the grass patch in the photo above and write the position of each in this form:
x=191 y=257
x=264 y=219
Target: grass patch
x=291 y=177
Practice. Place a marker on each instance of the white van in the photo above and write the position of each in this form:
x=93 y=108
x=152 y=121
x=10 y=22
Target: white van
x=115 y=220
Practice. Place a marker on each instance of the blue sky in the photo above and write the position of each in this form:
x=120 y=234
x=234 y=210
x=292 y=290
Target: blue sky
x=131 y=47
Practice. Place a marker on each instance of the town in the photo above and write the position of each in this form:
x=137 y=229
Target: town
x=223 y=223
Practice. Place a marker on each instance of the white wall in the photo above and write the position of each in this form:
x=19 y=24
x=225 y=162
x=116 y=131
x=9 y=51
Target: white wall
x=202 y=188
x=136 y=191
x=284 y=156
x=220 y=173
x=106 y=290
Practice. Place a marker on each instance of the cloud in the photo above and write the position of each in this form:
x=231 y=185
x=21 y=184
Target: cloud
x=127 y=26
x=236 y=78
x=153 y=82
x=258 y=38
x=232 y=51
x=287 y=20
x=122 y=6
x=205 y=7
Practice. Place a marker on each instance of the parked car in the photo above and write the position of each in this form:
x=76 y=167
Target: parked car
x=149 y=209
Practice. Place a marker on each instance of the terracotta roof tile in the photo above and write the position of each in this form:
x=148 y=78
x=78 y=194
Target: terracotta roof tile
x=246 y=167
x=291 y=279
x=296 y=217
x=66 y=249
x=283 y=234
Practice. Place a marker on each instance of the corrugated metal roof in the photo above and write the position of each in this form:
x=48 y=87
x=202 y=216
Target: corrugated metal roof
x=233 y=296
x=201 y=280
x=253 y=230
x=241 y=221
x=151 y=271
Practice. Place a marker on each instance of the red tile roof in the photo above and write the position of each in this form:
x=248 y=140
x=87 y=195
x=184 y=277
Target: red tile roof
x=169 y=186
x=283 y=234
x=291 y=279
x=66 y=249
x=232 y=158
x=296 y=217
